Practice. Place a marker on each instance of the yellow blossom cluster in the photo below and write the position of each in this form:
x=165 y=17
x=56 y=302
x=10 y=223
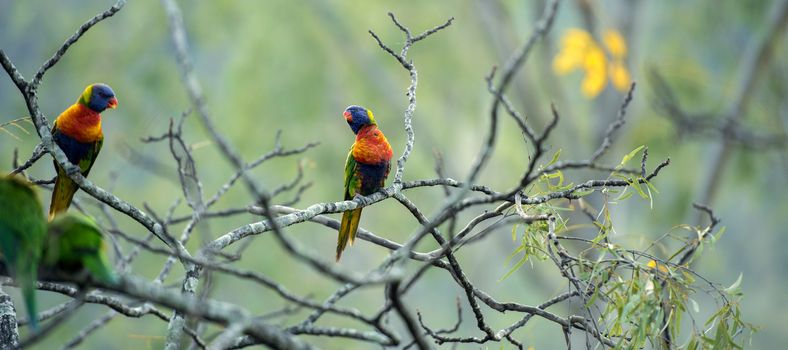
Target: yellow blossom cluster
x=579 y=50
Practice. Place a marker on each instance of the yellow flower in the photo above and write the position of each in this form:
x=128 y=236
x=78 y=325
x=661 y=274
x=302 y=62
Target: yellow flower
x=593 y=83
x=615 y=44
x=573 y=47
x=576 y=39
x=594 y=65
x=594 y=60
x=619 y=75
x=565 y=62
x=579 y=50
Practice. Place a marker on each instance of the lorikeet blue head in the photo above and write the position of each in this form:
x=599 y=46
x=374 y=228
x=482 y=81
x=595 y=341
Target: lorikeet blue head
x=358 y=117
x=98 y=97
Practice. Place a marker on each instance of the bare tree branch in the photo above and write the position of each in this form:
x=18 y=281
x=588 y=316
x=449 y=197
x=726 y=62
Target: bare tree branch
x=474 y=212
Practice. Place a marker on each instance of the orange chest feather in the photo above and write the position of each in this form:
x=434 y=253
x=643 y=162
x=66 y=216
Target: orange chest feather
x=371 y=147
x=80 y=123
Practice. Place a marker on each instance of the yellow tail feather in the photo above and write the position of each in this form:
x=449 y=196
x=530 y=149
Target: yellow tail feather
x=62 y=195
x=347 y=230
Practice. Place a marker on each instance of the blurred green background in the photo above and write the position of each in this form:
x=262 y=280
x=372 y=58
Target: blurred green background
x=295 y=65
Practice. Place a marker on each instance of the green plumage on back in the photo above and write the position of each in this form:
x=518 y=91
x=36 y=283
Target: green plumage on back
x=22 y=235
x=76 y=245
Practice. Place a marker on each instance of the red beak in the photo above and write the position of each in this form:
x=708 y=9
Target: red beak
x=348 y=116
x=112 y=103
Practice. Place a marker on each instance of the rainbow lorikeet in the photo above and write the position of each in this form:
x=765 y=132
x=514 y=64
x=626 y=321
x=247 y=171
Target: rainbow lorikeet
x=22 y=235
x=368 y=164
x=75 y=245
x=77 y=131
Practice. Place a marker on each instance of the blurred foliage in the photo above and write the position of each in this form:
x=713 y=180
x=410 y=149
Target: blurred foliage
x=294 y=66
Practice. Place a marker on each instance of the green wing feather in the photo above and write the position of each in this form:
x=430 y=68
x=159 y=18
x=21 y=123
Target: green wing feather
x=350 y=219
x=88 y=162
x=65 y=188
x=352 y=181
x=76 y=244
x=22 y=234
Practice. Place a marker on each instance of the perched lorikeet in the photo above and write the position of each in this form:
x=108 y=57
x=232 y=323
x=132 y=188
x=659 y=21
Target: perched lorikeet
x=366 y=169
x=76 y=245
x=22 y=235
x=78 y=133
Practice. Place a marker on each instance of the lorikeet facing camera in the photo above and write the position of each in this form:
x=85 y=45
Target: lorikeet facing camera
x=75 y=245
x=77 y=131
x=22 y=235
x=367 y=166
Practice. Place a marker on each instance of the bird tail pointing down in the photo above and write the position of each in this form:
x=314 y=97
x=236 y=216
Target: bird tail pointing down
x=62 y=194
x=347 y=230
